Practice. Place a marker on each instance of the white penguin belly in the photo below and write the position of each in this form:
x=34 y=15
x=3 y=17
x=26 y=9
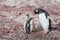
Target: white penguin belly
x=44 y=21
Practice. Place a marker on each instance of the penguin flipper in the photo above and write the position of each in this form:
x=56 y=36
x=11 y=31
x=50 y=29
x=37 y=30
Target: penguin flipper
x=51 y=19
x=51 y=28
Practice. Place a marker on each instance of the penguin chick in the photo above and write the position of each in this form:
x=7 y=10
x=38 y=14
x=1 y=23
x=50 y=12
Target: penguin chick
x=28 y=25
x=44 y=20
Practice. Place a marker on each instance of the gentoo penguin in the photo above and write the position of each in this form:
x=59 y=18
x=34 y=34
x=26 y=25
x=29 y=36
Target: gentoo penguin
x=28 y=25
x=44 y=19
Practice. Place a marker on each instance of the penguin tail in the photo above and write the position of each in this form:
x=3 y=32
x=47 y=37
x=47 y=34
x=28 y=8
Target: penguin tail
x=54 y=28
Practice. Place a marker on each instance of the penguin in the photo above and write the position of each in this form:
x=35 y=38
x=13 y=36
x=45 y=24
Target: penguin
x=44 y=20
x=28 y=26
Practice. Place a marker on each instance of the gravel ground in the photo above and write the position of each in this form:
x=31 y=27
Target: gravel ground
x=13 y=16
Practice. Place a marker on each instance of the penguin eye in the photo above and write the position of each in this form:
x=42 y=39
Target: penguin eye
x=36 y=11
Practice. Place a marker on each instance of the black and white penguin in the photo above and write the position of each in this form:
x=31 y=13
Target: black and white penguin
x=28 y=25
x=44 y=19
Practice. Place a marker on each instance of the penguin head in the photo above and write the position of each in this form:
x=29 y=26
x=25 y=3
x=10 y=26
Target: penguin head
x=39 y=11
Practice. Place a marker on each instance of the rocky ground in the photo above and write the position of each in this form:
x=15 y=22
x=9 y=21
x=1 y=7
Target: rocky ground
x=13 y=16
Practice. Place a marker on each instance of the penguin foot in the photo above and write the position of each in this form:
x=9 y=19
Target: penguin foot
x=27 y=32
x=32 y=32
x=44 y=33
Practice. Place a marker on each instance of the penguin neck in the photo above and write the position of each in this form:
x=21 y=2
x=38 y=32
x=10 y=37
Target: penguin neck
x=41 y=14
x=30 y=21
x=44 y=14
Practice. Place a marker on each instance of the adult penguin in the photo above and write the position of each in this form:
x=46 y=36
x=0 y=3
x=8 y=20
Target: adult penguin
x=44 y=20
